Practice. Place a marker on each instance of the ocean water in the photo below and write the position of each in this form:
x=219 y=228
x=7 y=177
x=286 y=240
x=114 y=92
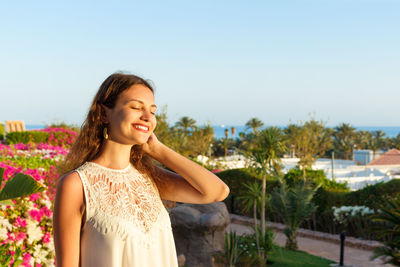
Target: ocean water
x=219 y=130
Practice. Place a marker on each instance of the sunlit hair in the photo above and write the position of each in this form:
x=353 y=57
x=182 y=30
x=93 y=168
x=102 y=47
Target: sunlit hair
x=90 y=140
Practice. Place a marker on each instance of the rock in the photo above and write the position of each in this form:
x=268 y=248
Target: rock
x=199 y=231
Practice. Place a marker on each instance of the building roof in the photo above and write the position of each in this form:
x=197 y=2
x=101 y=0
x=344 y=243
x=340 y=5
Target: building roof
x=392 y=157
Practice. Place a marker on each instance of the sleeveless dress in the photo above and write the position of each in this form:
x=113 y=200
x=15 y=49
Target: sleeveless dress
x=126 y=223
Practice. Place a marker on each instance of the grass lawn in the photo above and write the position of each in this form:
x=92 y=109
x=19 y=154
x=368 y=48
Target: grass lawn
x=285 y=258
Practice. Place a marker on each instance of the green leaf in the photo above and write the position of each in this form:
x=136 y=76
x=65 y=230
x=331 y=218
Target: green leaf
x=20 y=185
x=6 y=202
x=2 y=170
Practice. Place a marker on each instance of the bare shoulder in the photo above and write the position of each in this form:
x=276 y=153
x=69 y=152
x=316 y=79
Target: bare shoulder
x=70 y=187
x=70 y=181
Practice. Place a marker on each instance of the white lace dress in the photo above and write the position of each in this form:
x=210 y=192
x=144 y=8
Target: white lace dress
x=126 y=221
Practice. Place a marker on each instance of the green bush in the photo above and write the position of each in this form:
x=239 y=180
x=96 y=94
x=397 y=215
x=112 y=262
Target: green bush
x=235 y=179
x=371 y=196
x=26 y=137
x=1 y=131
x=242 y=250
x=317 y=176
x=375 y=195
x=330 y=194
x=32 y=162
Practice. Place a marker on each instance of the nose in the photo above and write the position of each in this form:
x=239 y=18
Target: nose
x=146 y=115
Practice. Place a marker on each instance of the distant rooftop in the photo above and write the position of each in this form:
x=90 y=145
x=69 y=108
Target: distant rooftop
x=392 y=157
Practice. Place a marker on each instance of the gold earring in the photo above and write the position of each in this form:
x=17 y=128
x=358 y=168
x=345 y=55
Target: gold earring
x=105 y=134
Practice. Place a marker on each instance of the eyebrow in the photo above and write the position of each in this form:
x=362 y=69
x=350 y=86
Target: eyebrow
x=140 y=101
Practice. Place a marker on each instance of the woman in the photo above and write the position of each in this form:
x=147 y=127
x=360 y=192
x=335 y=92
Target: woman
x=108 y=209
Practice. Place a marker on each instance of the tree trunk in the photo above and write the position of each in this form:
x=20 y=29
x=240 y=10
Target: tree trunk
x=263 y=206
x=263 y=212
x=291 y=242
x=256 y=226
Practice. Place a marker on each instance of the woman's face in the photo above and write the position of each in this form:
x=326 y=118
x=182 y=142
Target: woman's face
x=132 y=120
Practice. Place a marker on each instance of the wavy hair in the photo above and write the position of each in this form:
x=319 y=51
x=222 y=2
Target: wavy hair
x=90 y=140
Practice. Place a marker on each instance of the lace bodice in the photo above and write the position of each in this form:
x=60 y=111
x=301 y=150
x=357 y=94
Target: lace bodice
x=124 y=201
x=126 y=223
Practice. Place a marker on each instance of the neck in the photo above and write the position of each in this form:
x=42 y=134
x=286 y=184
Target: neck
x=114 y=155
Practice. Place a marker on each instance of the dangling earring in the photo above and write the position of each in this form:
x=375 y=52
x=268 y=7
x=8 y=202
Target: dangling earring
x=105 y=134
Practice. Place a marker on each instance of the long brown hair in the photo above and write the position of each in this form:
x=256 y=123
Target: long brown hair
x=90 y=140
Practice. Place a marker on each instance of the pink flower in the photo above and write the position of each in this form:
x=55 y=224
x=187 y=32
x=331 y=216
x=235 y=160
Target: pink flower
x=46 y=211
x=34 y=197
x=19 y=222
x=20 y=236
x=36 y=214
x=27 y=257
x=46 y=238
x=216 y=171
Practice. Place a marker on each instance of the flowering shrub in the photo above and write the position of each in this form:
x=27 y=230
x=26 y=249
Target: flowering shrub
x=344 y=213
x=52 y=136
x=60 y=136
x=26 y=226
x=33 y=156
x=355 y=220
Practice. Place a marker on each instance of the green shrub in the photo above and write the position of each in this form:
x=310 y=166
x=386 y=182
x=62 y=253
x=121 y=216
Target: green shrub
x=64 y=125
x=317 y=176
x=26 y=137
x=375 y=195
x=235 y=179
x=1 y=131
x=371 y=196
x=330 y=194
x=242 y=250
x=32 y=162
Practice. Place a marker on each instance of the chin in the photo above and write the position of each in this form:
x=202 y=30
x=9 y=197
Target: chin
x=140 y=141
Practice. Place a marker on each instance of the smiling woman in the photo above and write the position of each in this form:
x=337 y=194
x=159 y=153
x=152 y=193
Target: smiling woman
x=108 y=209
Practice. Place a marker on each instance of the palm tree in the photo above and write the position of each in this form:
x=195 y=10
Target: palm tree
x=344 y=137
x=378 y=141
x=396 y=141
x=294 y=205
x=225 y=144
x=363 y=139
x=265 y=157
x=226 y=131
x=233 y=130
x=251 y=198
x=185 y=123
x=254 y=123
x=389 y=216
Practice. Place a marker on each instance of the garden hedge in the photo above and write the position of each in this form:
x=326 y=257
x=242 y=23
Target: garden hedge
x=26 y=137
x=52 y=136
x=330 y=194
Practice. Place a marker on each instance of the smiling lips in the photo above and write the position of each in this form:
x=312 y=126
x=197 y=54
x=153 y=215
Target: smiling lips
x=141 y=127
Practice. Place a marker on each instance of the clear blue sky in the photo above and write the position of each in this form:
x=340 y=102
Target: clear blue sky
x=217 y=61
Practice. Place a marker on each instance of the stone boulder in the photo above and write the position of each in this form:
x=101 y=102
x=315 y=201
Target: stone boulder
x=199 y=231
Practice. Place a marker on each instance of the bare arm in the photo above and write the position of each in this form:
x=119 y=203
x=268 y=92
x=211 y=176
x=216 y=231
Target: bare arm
x=67 y=218
x=191 y=183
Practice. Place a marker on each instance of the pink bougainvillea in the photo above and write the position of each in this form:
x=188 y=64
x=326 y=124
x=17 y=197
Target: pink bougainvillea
x=27 y=224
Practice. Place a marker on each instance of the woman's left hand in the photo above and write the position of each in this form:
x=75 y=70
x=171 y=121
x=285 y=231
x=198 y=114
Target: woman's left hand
x=152 y=145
